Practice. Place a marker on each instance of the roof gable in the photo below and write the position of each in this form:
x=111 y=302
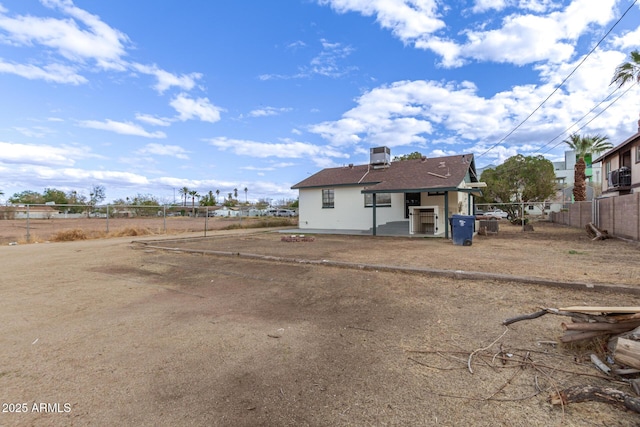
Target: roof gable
x=628 y=142
x=404 y=175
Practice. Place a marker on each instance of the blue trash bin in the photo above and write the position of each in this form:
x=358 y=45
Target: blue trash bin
x=462 y=227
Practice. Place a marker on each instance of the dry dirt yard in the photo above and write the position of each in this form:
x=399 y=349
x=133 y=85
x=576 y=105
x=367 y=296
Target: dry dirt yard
x=243 y=329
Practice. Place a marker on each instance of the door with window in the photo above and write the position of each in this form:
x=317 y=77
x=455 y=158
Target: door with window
x=410 y=199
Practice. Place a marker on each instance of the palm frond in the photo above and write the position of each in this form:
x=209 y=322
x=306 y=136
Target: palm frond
x=627 y=71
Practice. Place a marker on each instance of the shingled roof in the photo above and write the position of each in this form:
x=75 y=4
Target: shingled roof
x=426 y=174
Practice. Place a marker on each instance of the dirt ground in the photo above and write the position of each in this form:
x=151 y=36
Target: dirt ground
x=42 y=230
x=112 y=332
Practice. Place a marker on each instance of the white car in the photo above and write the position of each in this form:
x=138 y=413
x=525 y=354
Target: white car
x=286 y=212
x=496 y=213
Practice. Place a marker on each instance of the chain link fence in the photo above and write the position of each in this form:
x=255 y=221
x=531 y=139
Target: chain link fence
x=30 y=223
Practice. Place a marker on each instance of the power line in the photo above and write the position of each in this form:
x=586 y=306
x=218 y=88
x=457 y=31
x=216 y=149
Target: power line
x=492 y=164
x=561 y=83
x=592 y=119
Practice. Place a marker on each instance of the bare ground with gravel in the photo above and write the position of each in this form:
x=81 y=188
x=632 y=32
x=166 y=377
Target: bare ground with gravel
x=123 y=333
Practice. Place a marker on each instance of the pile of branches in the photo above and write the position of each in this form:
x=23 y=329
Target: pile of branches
x=620 y=326
x=596 y=233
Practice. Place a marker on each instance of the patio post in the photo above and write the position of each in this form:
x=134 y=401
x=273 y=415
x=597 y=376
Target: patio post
x=374 y=214
x=446 y=214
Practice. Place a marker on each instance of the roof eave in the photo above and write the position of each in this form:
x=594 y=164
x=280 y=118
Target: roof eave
x=422 y=190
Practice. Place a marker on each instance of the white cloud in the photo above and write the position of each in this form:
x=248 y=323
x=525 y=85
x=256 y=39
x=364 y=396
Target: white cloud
x=272 y=167
x=427 y=113
x=538 y=5
x=164 y=150
x=268 y=111
x=200 y=108
x=30 y=176
x=545 y=34
x=166 y=80
x=152 y=120
x=80 y=37
x=527 y=38
x=123 y=128
x=628 y=41
x=327 y=63
x=481 y=6
x=407 y=19
x=389 y=115
x=32 y=154
x=286 y=149
x=34 y=132
x=56 y=73
x=296 y=45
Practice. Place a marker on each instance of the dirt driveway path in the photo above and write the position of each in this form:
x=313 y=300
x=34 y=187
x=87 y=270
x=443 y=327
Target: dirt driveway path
x=107 y=332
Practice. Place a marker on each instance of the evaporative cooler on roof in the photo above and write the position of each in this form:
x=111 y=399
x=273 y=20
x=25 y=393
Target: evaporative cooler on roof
x=380 y=156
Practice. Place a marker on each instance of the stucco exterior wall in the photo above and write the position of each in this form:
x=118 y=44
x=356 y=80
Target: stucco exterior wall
x=348 y=213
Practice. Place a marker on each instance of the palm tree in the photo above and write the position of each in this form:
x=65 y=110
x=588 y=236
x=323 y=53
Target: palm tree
x=583 y=145
x=217 y=196
x=185 y=192
x=235 y=193
x=628 y=71
x=246 y=190
x=193 y=194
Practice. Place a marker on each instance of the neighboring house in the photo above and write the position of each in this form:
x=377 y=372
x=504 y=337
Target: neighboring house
x=565 y=175
x=228 y=212
x=384 y=197
x=621 y=166
x=33 y=212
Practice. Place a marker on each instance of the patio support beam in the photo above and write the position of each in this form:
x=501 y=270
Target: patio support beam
x=446 y=214
x=373 y=196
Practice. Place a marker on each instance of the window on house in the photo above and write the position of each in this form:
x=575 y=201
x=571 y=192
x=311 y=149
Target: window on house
x=607 y=168
x=382 y=199
x=327 y=198
x=638 y=154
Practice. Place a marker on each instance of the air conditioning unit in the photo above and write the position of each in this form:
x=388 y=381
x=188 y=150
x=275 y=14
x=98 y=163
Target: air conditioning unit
x=620 y=177
x=380 y=156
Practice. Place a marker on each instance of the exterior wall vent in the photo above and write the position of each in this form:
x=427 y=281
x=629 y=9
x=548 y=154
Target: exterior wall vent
x=380 y=156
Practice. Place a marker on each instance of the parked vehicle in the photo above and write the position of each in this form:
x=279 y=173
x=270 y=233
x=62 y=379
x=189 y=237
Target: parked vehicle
x=286 y=212
x=496 y=213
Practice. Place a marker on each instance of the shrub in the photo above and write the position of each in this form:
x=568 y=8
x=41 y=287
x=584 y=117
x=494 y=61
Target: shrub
x=69 y=235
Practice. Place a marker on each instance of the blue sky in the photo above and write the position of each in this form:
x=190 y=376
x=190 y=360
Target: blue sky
x=148 y=96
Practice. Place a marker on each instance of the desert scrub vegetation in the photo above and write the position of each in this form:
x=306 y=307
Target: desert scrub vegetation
x=79 y=234
x=69 y=235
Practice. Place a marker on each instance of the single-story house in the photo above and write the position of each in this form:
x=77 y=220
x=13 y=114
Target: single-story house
x=412 y=197
x=228 y=212
x=28 y=211
x=621 y=167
